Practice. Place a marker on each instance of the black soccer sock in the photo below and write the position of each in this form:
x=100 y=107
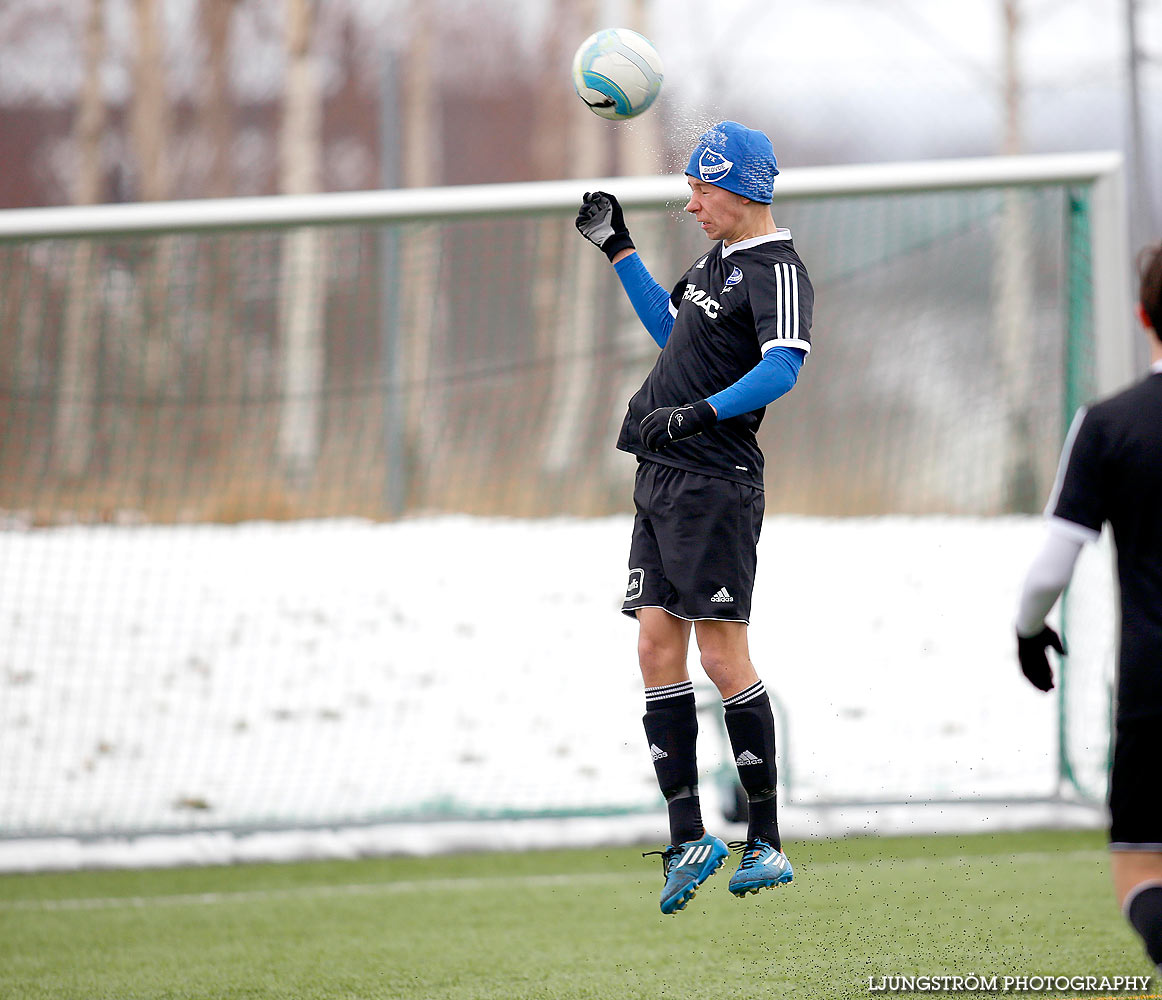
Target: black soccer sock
x=671 y=724
x=750 y=723
x=1143 y=908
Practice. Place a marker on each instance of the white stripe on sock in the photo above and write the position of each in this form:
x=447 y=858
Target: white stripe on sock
x=754 y=691
x=669 y=691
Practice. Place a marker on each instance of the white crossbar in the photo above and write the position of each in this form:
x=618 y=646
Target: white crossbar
x=507 y=199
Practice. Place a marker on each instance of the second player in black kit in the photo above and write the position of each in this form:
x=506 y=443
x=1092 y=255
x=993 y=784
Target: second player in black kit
x=1111 y=471
x=734 y=332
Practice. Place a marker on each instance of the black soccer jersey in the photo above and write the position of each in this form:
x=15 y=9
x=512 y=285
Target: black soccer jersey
x=1112 y=471
x=731 y=306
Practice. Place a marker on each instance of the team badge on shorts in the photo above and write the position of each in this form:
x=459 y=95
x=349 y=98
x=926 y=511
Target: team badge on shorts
x=633 y=589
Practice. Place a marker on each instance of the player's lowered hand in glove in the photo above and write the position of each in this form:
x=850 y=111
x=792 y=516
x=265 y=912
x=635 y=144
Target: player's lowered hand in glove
x=667 y=424
x=1031 y=651
x=601 y=222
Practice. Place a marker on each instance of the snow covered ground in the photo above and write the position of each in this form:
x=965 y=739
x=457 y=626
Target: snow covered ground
x=343 y=687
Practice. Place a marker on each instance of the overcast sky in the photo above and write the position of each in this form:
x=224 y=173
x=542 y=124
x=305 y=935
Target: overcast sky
x=832 y=80
x=931 y=63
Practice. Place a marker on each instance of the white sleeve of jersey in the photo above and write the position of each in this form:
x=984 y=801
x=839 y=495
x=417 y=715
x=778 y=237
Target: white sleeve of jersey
x=1049 y=574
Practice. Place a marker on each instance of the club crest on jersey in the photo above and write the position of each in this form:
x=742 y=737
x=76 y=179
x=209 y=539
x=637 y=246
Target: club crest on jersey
x=712 y=166
x=734 y=279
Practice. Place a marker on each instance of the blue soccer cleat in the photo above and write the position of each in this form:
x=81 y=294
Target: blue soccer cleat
x=687 y=866
x=762 y=866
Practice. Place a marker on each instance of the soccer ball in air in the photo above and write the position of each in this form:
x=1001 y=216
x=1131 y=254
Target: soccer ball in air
x=617 y=73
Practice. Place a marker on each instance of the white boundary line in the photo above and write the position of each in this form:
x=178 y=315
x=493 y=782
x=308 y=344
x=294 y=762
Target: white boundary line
x=498 y=882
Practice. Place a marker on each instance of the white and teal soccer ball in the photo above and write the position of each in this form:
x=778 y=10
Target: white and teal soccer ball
x=617 y=73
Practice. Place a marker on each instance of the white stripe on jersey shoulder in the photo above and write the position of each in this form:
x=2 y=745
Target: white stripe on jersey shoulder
x=754 y=241
x=786 y=302
x=673 y=311
x=1156 y=368
x=1066 y=450
x=800 y=345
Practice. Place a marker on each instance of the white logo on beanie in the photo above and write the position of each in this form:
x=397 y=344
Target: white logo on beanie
x=712 y=166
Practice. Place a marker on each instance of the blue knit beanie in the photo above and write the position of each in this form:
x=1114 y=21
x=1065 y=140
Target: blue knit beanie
x=736 y=158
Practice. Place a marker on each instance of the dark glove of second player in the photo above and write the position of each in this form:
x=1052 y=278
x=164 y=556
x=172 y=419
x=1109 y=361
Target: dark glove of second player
x=601 y=222
x=1031 y=651
x=667 y=424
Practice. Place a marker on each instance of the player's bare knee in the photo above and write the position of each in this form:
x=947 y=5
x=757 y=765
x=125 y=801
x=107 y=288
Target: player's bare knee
x=725 y=670
x=651 y=653
x=714 y=664
x=662 y=660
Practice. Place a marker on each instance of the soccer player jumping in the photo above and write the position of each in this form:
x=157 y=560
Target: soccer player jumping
x=734 y=333
x=1111 y=470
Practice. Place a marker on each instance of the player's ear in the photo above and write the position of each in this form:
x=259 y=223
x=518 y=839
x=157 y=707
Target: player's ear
x=1144 y=319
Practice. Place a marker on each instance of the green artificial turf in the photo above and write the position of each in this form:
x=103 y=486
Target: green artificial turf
x=574 y=924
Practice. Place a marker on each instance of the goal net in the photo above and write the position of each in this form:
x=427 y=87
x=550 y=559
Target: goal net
x=312 y=514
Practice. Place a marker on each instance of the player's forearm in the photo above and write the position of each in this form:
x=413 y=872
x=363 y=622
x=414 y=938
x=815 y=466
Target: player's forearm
x=650 y=300
x=775 y=375
x=1049 y=574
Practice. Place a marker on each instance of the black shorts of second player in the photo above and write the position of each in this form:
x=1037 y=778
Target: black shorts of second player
x=695 y=544
x=1135 y=800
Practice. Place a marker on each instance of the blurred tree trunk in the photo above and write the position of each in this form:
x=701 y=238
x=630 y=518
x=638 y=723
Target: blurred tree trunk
x=217 y=124
x=1012 y=280
x=420 y=150
x=150 y=113
x=73 y=430
x=640 y=145
x=303 y=277
x=572 y=373
x=150 y=341
x=226 y=350
x=90 y=122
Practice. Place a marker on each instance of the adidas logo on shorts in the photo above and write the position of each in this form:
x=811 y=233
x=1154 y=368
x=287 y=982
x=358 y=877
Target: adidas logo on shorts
x=722 y=597
x=746 y=757
x=657 y=751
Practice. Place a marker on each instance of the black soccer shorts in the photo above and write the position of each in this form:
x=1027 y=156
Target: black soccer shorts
x=695 y=544
x=1135 y=804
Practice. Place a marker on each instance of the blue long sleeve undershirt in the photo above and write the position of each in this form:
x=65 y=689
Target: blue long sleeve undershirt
x=773 y=376
x=650 y=300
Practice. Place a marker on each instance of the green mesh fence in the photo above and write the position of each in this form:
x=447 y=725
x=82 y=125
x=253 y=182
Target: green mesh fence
x=444 y=367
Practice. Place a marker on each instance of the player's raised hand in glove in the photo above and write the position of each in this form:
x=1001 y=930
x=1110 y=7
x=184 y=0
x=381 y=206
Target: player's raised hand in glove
x=1031 y=651
x=601 y=222
x=667 y=424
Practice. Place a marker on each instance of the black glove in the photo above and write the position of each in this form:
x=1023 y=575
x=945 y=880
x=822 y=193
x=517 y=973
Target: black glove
x=1034 y=661
x=600 y=221
x=673 y=423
